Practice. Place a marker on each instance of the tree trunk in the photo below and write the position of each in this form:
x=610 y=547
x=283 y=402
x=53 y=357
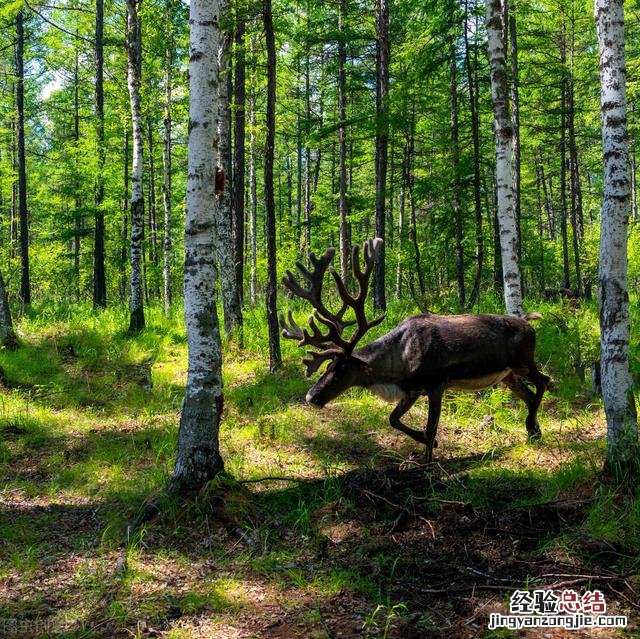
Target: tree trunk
x=8 y=337
x=25 y=280
x=153 y=221
x=391 y=238
x=563 y=163
x=634 y=183
x=342 y=143
x=124 y=231
x=617 y=384
x=307 y=161
x=99 y=277
x=412 y=202
x=577 y=230
x=548 y=198
x=539 y=179
x=477 y=186
x=299 y=178
x=237 y=223
x=455 y=170
x=134 y=65
x=382 y=89
x=289 y=169
x=198 y=459
x=13 y=223
x=253 y=190
x=77 y=215
x=515 y=116
x=166 y=159
x=224 y=241
x=275 y=358
x=401 y=208
x=498 y=276
x=504 y=173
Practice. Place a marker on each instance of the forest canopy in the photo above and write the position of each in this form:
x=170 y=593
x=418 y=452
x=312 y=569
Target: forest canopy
x=324 y=50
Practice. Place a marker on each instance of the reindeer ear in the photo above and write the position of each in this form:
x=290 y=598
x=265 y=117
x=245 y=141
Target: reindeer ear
x=315 y=359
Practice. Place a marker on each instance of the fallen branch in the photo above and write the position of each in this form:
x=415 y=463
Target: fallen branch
x=592 y=577
x=635 y=604
x=259 y=479
x=475 y=586
x=569 y=582
x=487 y=575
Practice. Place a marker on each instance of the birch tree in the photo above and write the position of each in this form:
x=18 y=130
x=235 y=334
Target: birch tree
x=134 y=60
x=198 y=458
x=622 y=428
x=503 y=129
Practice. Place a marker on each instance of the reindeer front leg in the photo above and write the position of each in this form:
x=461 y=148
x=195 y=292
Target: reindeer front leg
x=394 y=419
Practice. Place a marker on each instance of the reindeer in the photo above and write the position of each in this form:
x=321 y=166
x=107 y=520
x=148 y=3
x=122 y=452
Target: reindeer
x=424 y=355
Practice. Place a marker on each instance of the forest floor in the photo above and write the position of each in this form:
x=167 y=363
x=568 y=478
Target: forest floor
x=328 y=525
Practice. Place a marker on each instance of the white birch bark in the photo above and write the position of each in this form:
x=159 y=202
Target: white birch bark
x=224 y=238
x=134 y=63
x=503 y=128
x=198 y=458
x=622 y=429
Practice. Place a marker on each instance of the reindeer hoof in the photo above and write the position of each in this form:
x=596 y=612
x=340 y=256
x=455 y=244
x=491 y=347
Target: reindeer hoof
x=535 y=435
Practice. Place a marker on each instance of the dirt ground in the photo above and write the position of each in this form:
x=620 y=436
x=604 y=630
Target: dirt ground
x=450 y=564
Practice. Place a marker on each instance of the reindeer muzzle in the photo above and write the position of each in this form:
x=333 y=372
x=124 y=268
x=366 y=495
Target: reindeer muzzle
x=314 y=400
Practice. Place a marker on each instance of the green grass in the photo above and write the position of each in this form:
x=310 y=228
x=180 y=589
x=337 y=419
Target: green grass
x=85 y=440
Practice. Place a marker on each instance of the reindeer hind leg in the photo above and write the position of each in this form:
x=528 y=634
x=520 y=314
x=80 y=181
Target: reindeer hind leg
x=435 y=405
x=517 y=385
x=540 y=381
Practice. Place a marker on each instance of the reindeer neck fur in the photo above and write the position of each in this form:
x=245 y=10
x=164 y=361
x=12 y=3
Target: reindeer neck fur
x=383 y=368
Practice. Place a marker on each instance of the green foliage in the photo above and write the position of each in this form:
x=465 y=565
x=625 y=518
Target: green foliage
x=62 y=165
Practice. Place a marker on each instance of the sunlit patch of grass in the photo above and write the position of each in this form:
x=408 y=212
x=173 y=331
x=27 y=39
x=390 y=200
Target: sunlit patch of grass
x=325 y=584
x=333 y=582
x=93 y=576
x=227 y=595
x=274 y=562
x=26 y=560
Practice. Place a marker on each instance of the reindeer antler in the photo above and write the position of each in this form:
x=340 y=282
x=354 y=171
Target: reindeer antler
x=371 y=248
x=332 y=342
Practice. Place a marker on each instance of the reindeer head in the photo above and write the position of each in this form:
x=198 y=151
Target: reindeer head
x=345 y=369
